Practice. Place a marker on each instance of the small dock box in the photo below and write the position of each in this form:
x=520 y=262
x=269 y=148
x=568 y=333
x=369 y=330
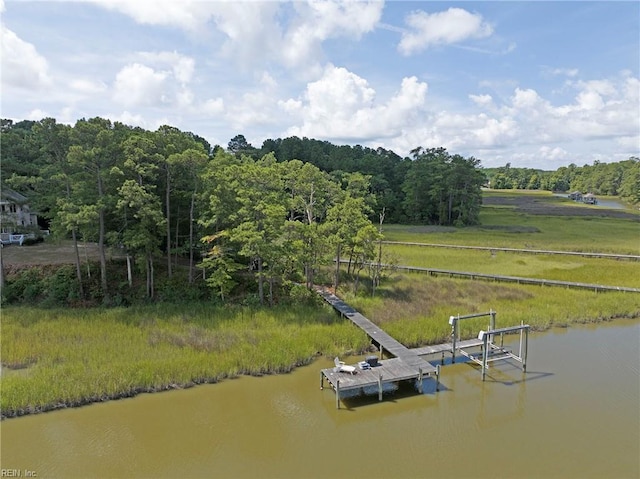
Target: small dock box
x=372 y=361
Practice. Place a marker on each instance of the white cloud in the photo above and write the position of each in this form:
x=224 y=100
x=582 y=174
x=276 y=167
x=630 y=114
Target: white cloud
x=181 y=66
x=213 y=106
x=290 y=34
x=139 y=85
x=342 y=106
x=186 y=14
x=451 y=26
x=320 y=20
x=37 y=115
x=89 y=87
x=482 y=100
x=22 y=66
x=157 y=79
x=552 y=154
x=570 y=72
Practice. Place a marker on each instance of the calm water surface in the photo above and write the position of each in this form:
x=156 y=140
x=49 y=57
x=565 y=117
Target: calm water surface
x=575 y=414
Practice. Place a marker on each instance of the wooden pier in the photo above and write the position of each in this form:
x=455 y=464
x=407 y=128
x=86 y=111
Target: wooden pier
x=408 y=363
x=405 y=365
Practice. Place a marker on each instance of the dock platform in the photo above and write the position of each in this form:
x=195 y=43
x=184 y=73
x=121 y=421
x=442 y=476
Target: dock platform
x=387 y=371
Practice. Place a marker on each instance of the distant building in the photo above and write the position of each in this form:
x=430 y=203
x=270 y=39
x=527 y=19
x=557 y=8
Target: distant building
x=15 y=214
x=575 y=196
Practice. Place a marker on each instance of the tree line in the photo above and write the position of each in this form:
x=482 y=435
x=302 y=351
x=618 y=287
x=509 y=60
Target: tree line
x=612 y=179
x=271 y=216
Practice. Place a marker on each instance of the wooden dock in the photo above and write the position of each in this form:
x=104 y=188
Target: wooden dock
x=406 y=364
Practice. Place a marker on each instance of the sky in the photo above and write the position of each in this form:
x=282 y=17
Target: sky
x=536 y=84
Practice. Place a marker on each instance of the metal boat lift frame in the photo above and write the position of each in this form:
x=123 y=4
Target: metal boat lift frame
x=492 y=352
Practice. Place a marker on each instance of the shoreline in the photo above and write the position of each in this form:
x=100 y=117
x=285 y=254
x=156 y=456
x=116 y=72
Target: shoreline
x=13 y=414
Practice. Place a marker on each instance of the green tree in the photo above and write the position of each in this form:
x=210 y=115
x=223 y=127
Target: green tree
x=96 y=149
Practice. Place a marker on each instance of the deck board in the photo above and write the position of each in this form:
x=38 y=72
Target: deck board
x=391 y=370
x=446 y=347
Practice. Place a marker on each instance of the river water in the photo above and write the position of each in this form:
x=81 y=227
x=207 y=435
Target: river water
x=574 y=414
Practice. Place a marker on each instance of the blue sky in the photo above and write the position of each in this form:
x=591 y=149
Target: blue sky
x=536 y=84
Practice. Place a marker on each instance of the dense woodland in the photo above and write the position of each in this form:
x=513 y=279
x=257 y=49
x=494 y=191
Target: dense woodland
x=268 y=217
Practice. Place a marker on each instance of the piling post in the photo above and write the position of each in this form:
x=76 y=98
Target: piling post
x=381 y=351
x=420 y=380
x=526 y=350
x=493 y=319
x=485 y=352
x=453 y=321
x=437 y=377
x=321 y=380
x=520 y=349
x=380 y=388
x=338 y=394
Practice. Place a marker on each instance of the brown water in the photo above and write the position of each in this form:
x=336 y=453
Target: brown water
x=576 y=414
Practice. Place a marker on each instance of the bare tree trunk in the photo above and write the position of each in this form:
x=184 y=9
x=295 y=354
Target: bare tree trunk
x=191 y=211
x=168 y=203
x=378 y=270
x=129 y=273
x=78 y=265
x=175 y=242
x=271 y=291
x=152 y=276
x=1 y=270
x=103 y=258
x=260 y=281
x=337 y=273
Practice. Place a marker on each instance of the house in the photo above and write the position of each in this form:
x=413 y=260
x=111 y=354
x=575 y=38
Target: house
x=590 y=199
x=15 y=215
x=575 y=196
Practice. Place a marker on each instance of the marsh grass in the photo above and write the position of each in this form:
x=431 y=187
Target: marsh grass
x=80 y=356
x=556 y=267
x=504 y=226
x=415 y=308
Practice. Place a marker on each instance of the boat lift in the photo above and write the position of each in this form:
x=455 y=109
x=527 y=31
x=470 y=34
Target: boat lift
x=493 y=352
x=489 y=350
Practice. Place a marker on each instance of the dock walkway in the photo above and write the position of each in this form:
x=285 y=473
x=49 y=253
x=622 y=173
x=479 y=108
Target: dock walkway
x=406 y=364
x=384 y=340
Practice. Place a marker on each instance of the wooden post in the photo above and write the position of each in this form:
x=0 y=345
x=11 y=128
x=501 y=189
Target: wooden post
x=485 y=353
x=380 y=388
x=437 y=377
x=381 y=348
x=321 y=380
x=338 y=394
x=526 y=350
x=493 y=319
x=454 y=336
x=520 y=349
x=420 y=380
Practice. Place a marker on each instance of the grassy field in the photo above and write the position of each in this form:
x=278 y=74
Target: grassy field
x=54 y=358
